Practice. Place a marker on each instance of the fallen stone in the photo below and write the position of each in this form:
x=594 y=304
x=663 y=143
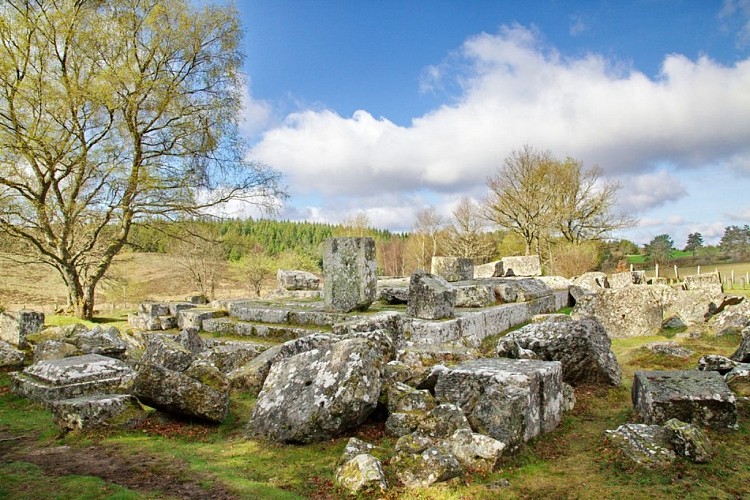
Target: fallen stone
x=10 y=356
x=716 y=363
x=393 y=295
x=510 y=400
x=167 y=352
x=442 y=421
x=297 y=280
x=732 y=319
x=175 y=392
x=350 y=274
x=404 y=398
x=673 y=322
x=207 y=373
x=107 y=342
x=742 y=354
x=251 y=376
x=738 y=379
x=360 y=473
x=190 y=340
x=430 y=297
x=231 y=356
x=402 y=423
x=67 y=378
x=318 y=394
x=627 y=278
x=592 y=281
x=648 y=445
x=193 y=318
x=426 y=468
x=452 y=268
x=669 y=349
x=476 y=452
x=54 y=349
x=582 y=347
x=689 y=441
x=474 y=294
x=569 y=398
x=113 y=411
x=692 y=396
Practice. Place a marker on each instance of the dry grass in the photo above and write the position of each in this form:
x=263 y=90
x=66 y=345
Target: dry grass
x=133 y=278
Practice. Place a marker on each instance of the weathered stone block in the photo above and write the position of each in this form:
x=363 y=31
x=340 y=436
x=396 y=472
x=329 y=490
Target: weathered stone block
x=528 y=265
x=72 y=377
x=452 y=268
x=15 y=326
x=489 y=270
x=175 y=392
x=350 y=274
x=648 y=445
x=193 y=318
x=297 y=280
x=627 y=278
x=710 y=282
x=474 y=294
x=430 y=297
x=98 y=411
x=510 y=400
x=697 y=397
x=318 y=394
x=10 y=356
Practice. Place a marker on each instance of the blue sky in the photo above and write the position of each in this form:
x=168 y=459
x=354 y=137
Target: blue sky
x=388 y=106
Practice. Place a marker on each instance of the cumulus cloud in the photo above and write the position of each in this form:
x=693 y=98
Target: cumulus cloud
x=646 y=191
x=514 y=90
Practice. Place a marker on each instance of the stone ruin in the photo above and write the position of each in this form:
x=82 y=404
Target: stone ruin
x=321 y=368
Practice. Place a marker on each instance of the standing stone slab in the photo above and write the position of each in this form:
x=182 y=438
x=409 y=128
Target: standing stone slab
x=350 y=274
x=511 y=400
x=627 y=278
x=66 y=378
x=528 y=265
x=15 y=326
x=452 y=268
x=697 y=397
x=430 y=297
x=708 y=281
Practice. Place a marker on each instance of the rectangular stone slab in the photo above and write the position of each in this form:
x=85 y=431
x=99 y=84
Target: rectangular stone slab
x=698 y=397
x=46 y=381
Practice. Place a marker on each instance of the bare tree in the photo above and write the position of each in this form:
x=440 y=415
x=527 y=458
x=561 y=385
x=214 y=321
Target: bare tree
x=584 y=203
x=521 y=198
x=199 y=253
x=467 y=236
x=111 y=112
x=355 y=224
x=426 y=229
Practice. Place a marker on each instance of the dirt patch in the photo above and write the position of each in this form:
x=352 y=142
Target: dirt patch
x=133 y=470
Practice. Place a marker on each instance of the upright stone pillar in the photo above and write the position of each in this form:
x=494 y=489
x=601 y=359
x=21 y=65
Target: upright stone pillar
x=14 y=326
x=350 y=274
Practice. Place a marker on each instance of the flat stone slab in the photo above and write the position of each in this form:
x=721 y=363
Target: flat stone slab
x=701 y=398
x=103 y=410
x=66 y=378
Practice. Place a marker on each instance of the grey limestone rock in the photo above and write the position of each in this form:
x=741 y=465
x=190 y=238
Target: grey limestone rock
x=230 y=356
x=350 y=274
x=490 y=270
x=742 y=354
x=178 y=393
x=71 y=377
x=582 y=347
x=697 y=397
x=474 y=294
x=251 y=376
x=707 y=281
x=98 y=340
x=166 y=351
x=648 y=445
x=592 y=281
x=475 y=452
x=54 y=349
x=193 y=318
x=426 y=468
x=318 y=394
x=733 y=318
x=297 y=280
x=569 y=397
x=738 y=380
x=452 y=268
x=360 y=473
x=528 y=265
x=98 y=411
x=10 y=356
x=716 y=363
x=510 y=400
x=689 y=441
x=669 y=349
x=430 y=297
x=16 y=325
x=627 y=278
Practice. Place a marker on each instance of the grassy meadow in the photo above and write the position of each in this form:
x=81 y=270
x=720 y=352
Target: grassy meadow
x=171 y=458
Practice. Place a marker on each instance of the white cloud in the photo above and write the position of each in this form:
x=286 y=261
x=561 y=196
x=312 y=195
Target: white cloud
x=256 y=114
x=577 y=26
x=738 y=11
x=515 y=91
